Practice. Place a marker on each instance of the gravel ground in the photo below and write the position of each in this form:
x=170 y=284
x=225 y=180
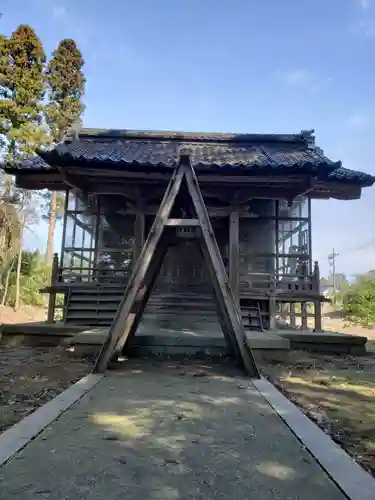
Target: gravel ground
x=29 y=377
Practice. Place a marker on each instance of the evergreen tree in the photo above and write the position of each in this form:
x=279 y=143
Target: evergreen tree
x=22 y=89
x=4 y=90
x=9 y=218
x=66 y=86
x=66 y=83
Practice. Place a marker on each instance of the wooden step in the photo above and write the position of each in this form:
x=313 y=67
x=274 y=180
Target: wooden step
x=97 y=306
x=98 y=298
x=74 y=304
x=108 y=306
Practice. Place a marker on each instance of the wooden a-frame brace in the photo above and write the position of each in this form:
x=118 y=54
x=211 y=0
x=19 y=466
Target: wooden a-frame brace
x=148 y=265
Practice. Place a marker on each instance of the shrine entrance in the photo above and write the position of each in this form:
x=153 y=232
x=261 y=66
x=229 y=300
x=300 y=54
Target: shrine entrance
x=182 y=198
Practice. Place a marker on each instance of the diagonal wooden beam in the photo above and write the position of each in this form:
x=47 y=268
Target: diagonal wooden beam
x=133 y=303
x=148 y=267
x=228 y=309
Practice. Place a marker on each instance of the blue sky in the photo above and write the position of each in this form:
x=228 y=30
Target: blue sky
x=232 y=66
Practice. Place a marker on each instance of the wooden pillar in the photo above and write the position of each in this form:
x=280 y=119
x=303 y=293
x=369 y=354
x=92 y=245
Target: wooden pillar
x=234 y=257
x=97 y=240
x=139 y=236
x=309 y=232
x=317 y=303
x=272 y=305
x=63 y=237
x=292 y=311
x=303 y=315
x=52 y=295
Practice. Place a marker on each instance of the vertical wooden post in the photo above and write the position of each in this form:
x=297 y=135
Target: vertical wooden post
x=303 y=315
x=309 y=233
x=139 y=236
x=97 y=239
x=73 y=217
x=317 y=303
x=63 y=237
x=292 y=311
x=234 y=257
x=272 y=305
x=277 y=237
x=52 y=294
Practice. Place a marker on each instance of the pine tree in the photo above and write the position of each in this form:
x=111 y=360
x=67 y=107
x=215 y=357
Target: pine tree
x=9 y=219
x=4 y=90
x=66 y=87
x=22 y=88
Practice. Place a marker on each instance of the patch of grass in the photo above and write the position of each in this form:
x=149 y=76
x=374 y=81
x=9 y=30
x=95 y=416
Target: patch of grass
x=338 y=393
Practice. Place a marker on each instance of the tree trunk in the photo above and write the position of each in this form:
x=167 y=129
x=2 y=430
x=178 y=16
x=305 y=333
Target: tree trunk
x=18 y=276
x=8 y=187
x=6 y=286
x=51 y=228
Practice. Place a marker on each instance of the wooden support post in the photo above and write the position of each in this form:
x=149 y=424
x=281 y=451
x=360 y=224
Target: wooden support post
x=317 y=303
x=303 y=315
x=292 y=315
x=141 y=300
x=309 y=231
x=97 y=234
x=131 y=307
x=139 y=236
x=52 y=294
x=272 y=305
x=234 y=258
x=228 y=308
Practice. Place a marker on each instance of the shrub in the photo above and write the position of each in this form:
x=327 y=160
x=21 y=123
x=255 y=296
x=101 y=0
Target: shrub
x=35 y=274
x=359 y=303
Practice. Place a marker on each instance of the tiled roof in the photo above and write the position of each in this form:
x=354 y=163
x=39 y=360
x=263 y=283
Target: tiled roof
x=294 y=153
x=351 y=177
x=34 y=163
x=203 y=155
x=208 y=151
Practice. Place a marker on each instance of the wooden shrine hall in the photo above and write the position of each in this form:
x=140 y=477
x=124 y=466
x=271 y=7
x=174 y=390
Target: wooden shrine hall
x=257 y=188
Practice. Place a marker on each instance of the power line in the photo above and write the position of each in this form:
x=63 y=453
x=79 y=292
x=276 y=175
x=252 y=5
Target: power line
x=332 y=261
x=355 y=249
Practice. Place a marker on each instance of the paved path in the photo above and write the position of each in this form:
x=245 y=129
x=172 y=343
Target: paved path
x=167 y=432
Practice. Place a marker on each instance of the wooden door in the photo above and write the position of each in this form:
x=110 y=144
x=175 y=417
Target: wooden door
x=183 y=271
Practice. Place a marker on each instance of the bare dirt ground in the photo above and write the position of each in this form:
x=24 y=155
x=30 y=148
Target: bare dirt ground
x=26 y=314
x=336 y=392
x=30 y=377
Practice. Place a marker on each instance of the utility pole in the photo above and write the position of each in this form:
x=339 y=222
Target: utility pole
x=332 y=266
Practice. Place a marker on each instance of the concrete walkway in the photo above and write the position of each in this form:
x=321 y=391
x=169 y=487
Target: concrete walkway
x=167 y=431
